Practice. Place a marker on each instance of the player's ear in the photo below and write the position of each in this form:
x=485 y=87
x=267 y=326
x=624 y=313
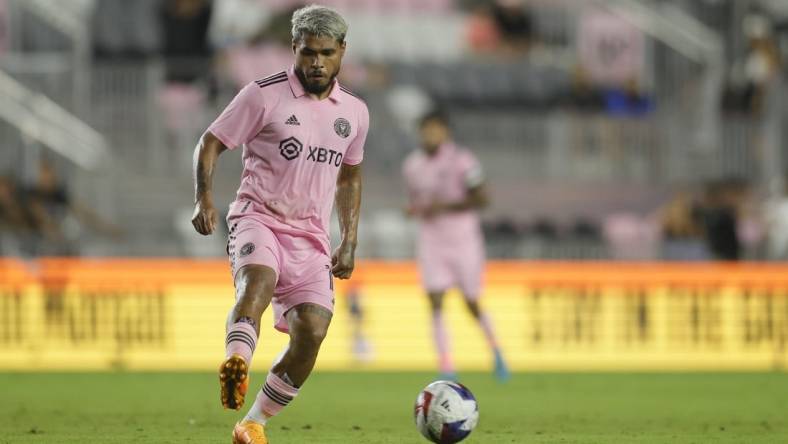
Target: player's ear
x=294 y=47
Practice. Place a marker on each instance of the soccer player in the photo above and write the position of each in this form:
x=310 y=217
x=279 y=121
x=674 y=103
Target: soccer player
x=446 y=191
x=303 y=140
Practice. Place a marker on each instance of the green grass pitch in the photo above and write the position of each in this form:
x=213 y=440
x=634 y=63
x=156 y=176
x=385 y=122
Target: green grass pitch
x=377 y=408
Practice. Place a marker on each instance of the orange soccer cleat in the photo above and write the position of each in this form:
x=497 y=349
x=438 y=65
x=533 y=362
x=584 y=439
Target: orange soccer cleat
x=249 y=432
x=234 y=380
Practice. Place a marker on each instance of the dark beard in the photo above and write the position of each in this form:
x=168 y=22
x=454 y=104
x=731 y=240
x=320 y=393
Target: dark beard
x=431 y=150
x=314 y=89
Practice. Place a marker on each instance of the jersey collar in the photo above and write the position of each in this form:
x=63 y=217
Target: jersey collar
x=443 y=150
x=446 y=148
x=298 y=89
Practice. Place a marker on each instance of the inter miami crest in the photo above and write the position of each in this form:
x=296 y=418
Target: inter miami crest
x=342 y=127
x=247 y=249
x=290 y=148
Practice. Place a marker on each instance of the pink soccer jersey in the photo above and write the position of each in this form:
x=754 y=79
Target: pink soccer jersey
x=293 y=147
x=451 y=245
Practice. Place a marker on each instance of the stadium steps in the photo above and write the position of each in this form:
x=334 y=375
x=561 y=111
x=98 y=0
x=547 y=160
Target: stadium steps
x=154 y=210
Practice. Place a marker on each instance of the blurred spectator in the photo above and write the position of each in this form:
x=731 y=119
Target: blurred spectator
x=482 y=32
x=504 y=228
x=12 y=215
x=628 y=100
x=631 y=236
x=126 y=29
x=584 y=97
x=750 y=79
x=762 y=63
x=503 y=27
x=777 y=226
x=724 y=202
x=514 y=24
x=13 y=221
x=54 y=212
x=628 y=130
x=189 y=74
x=738 y=94
x=187 y=51
x=585 y=230
x=584 y=103
x=502 y=236
x=681 y=223
x=545 y=229
x=362 y=347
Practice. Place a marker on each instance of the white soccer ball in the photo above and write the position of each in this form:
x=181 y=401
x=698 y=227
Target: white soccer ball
x=446 y=412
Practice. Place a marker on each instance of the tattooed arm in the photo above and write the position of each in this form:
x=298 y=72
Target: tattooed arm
x=205 y=155
x=348 y=202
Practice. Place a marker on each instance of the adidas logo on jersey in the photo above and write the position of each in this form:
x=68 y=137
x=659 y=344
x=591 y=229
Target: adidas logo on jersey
x=292 y=121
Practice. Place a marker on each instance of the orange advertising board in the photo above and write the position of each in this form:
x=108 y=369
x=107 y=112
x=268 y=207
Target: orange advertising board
x=169 y=314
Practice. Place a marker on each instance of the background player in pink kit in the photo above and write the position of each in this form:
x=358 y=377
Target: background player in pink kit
x=446 y=190
x=303 y=137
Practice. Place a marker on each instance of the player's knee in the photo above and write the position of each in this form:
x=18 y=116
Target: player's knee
x=308 y=326
x=316 y=336
x=310 y=337
x=255 y=284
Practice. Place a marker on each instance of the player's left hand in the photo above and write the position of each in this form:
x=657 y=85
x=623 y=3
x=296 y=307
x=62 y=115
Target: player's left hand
x=434 y=209
x=342 y=261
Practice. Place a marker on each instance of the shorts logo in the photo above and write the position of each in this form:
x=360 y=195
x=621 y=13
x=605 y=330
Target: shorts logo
x=290 y=148
x=342 y=127
x=247 y=249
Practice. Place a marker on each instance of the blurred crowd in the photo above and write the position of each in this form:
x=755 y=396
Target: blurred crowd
x=242 y=38
x=750 y=77
x=723 y=220
x=43 y=218
x=210 y=48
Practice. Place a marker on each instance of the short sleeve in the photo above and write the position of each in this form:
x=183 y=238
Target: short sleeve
x=242 y=120
x=355 y=152
x=472 y=171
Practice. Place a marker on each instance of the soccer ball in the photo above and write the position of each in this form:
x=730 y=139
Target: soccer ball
x=446 y=412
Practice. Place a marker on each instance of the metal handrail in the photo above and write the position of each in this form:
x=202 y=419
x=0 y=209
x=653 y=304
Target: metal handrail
x=672 y=26
x=70 y=23
x=41 y=119
x=694 y=40
x=63 y=19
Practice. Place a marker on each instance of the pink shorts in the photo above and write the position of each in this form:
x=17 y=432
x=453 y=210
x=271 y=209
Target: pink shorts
x=444 y=267
x=303 y=271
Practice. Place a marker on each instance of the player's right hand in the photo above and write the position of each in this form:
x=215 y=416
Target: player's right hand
x=204 y=218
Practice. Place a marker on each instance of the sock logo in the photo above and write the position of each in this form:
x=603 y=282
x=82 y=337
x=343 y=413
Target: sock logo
x=247 y=249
